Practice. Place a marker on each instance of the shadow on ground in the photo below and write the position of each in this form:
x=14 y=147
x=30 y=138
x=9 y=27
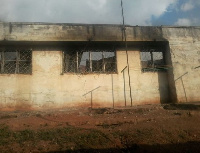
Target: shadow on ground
x=184 y=106
x=189 y=147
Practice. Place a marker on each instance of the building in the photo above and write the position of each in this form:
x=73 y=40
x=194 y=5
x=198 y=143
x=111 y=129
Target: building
x=79 y=65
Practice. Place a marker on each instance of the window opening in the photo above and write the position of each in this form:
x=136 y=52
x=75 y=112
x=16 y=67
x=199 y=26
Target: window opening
x=84 y=64
x=16 y=61
x=152 y=60
x=10 y=58
x=90 y=61
x=97 y=61
x=110 y=61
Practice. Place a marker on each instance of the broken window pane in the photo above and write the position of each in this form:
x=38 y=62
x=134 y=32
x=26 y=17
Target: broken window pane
x=158 y=59
x=95 y=60
x=109 y=61
x=84 y=62
x=152 y=60
x=146 y=59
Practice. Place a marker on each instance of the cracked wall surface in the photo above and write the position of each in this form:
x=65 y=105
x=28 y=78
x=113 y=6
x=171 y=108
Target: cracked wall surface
x=47 y=87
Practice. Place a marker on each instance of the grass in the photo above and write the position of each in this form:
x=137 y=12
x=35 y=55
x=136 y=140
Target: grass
x=61 y=137
x=72 y=138
x=5 y=134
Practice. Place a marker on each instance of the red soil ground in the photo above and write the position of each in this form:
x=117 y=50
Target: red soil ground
x=150 y=128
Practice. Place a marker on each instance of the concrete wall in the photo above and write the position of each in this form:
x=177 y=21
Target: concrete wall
x=184 y=48
x=75 y=32
x=48 y=88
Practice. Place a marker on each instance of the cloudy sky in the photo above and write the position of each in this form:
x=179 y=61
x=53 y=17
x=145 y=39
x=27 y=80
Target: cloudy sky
x=137 y=12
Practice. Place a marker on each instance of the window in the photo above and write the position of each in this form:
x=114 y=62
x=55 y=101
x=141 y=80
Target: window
x=152 y=60
x=89 y=61
x=15 y=61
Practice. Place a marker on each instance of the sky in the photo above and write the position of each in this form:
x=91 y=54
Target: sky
x=136 y=12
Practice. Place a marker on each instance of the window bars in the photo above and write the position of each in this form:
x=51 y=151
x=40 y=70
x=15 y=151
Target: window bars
x=89 y=61
x=152 y=60
x=16 y=61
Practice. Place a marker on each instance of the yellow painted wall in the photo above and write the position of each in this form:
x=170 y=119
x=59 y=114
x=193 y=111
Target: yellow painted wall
x=47 y=87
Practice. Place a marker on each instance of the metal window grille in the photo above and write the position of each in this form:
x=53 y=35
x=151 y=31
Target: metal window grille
x=152 y=60
x=89 y=61
x=16 y=61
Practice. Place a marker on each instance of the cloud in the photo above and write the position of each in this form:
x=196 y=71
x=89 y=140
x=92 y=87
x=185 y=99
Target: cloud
x=187 y=22
x=137 y=12
x=140 y=12
x=190 y=5
x=98 y=4
x=183 y=22
x=187 y=6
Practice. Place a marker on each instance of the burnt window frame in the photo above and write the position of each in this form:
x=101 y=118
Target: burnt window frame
x=89 y=63
x=154 y=67
x=22 y=64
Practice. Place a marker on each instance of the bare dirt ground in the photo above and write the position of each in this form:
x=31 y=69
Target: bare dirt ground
x=171 y=128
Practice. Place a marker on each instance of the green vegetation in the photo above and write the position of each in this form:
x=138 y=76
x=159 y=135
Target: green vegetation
x=64 y=138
